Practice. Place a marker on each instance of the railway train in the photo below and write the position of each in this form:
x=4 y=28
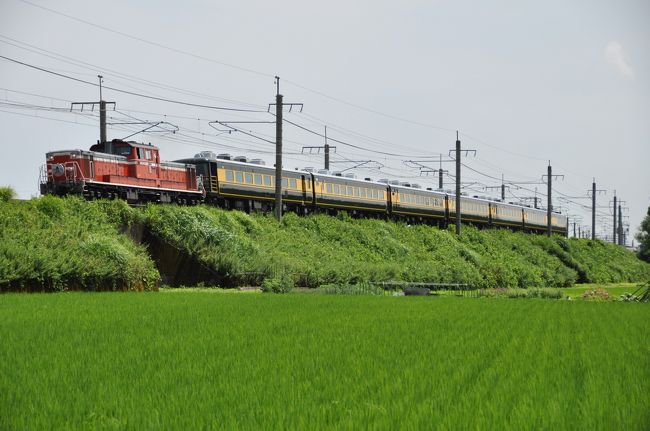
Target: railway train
x=134 y=172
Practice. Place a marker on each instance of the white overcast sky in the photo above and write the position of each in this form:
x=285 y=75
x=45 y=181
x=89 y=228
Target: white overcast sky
x=524 y=82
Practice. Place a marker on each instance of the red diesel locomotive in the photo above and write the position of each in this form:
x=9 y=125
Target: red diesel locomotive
x=128 y=170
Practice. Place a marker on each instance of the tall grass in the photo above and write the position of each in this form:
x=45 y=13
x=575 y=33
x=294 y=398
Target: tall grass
x=54 y=244
x=320 y=250
x=216 y=361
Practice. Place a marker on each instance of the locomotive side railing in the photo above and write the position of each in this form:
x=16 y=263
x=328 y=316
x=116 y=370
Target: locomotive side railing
x=71 y=173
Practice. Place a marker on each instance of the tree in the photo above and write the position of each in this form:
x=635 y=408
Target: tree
x=644 y=238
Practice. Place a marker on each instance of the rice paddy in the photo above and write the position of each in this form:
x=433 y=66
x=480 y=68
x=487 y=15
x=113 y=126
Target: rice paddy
x=203 y=360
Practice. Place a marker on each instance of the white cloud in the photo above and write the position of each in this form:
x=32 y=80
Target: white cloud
x=615 y=55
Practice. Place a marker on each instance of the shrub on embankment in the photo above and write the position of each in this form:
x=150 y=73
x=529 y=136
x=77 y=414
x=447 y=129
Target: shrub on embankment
x=320 y=249
x=51 y=243
x=54 y=244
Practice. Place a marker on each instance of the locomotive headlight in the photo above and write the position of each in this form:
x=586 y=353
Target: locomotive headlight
x=58 y=170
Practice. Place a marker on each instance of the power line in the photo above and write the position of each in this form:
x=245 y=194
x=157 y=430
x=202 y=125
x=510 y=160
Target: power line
x=161 y=99
x=103 y=70
x=149 y=42
x=347 y=143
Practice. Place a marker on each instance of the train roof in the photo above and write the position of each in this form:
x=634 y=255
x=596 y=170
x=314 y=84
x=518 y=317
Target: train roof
x=360 y=181
x=100 y=147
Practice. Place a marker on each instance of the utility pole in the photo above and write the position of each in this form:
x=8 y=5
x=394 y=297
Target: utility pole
x=458 y=153
x=441 y=173
x=102 y=115
x=549 y=205
x=327 y=152
x=503 y=190
x=593 y=209
x=614 y=233
x=574 y=228
x=327 y=147
x=278 y=150
x=457 y=184
x=620 y=225
x=279 y=105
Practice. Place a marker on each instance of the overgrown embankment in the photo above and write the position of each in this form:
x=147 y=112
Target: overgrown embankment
x=320 y=249
x=60 y=244
x=53 y=244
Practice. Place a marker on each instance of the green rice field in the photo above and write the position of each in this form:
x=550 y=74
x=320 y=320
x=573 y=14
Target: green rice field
x=204 y=360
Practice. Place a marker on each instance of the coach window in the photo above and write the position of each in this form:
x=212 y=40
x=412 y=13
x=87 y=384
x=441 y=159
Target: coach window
x=249 y=178
x=292 y=183
x=328 y=188
x=267 y=180
x=258 y=179
x=375 y=194
x=230 y=176
x=285 y=183
x=337 y=189
x=362 y=192
x=239 y=176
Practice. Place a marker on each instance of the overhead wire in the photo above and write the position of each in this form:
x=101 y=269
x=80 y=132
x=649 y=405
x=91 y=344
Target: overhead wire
x=101 y=69
x=132 y=93
x=149 y=42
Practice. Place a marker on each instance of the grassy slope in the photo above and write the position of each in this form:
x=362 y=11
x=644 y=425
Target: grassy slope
x=205 y=361
x=59 y=244
x=51 y=243
x=322 y=249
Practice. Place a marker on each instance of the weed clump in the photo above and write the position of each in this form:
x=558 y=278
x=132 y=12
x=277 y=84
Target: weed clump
x=279 y=284
x=598 y=294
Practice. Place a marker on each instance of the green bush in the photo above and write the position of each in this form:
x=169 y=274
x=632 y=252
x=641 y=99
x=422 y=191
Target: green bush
x=281 y=284
x=7 y=194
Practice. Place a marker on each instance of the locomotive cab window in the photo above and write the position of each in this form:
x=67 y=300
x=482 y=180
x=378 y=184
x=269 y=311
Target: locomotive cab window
x=123 y=151
x=147 y=154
